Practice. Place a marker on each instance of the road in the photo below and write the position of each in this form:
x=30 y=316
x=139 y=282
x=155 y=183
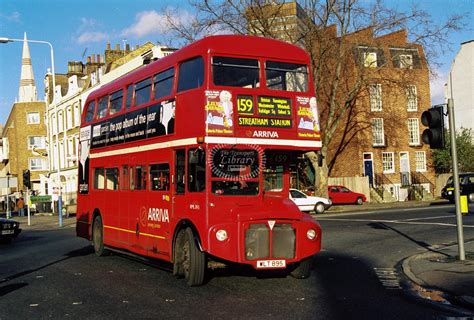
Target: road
x=52 y=274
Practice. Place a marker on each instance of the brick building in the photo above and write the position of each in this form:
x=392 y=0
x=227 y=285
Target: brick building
x=386 y=143
x=388 y=79
x=24 y=133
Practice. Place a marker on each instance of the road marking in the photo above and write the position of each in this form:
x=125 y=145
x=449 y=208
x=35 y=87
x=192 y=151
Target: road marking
x=371 y=211
x=429 y=218
x=397 y=222
x=388 y=277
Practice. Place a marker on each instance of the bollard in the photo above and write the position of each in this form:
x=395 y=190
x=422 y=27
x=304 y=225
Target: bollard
x=464 y=206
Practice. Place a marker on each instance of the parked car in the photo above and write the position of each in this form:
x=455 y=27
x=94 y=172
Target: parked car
x=466 y=187
x=342 y=195
x=309 y=203
x=9 y=230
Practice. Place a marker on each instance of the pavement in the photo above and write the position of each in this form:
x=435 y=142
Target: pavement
x=437 y=274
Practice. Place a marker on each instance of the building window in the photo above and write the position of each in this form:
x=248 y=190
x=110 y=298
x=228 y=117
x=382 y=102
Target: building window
x=77 y=116
x=33 y=118
x=68 y=118
x=413 y=131
x=412 y=98
x=370 y=59
x=37 y=142
x=375 y=92
x=54 y=124
x=420 y=160
x=405 y=58
x=406 y=61
x=38 y=164
x=378 y=132
x=60 y=121
x=388 y=163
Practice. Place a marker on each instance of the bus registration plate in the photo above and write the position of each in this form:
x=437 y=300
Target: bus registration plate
x=271 y=264
x=8 y=231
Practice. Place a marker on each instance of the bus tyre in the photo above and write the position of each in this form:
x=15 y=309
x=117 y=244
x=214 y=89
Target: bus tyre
x=98 y=237
x=190 y=261
x=303 y=269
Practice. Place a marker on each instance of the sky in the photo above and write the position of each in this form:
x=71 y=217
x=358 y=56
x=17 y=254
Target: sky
x=78 y=29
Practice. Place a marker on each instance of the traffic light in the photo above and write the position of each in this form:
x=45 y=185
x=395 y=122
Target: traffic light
x=434 y=119
x=26 y=179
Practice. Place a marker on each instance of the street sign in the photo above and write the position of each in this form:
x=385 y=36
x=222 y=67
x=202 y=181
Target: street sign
x=37 y=199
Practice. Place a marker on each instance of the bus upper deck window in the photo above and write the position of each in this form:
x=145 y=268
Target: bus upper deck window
x=142 y=91
x=102 y=107
x=90 y=111
x=116 y=99
x=286 y=76
x=235 y=72
x=191 y=74
x=163 y=83
x=129 y=100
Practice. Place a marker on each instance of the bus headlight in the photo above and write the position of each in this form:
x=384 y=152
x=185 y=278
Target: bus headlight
x=311 y=234
x=221 y=235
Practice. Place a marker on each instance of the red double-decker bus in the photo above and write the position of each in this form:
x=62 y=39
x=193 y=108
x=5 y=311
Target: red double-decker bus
x=188 y=158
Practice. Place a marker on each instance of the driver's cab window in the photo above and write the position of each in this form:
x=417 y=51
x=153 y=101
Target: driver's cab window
x=273 y=178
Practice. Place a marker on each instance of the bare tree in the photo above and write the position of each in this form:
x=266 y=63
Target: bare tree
x=329 y=31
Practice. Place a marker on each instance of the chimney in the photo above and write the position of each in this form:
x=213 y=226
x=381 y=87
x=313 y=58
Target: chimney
x=127 y=47
x=108 y=46
x=98 y=58
x=93 y=58
x=117 y=47
x=88 y=59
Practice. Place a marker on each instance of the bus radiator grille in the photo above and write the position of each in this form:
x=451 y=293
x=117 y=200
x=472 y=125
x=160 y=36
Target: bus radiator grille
x=257 y=241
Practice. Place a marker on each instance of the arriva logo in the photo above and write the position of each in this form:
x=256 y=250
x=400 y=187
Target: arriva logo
x=158 y=215
x=265 y=134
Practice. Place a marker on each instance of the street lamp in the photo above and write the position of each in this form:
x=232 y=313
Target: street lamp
x=6 y=40
x=8 y=195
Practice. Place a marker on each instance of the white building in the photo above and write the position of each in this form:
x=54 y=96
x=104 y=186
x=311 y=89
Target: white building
x=64 y=112
x=460 y=86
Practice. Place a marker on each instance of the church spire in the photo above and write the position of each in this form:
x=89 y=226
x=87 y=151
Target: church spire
x=27 y=91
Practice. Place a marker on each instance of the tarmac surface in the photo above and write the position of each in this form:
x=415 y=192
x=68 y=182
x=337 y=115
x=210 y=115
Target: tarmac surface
x=437 y=274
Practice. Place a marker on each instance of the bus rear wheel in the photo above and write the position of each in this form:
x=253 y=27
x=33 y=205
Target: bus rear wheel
x=190 y=261
x=98 y=237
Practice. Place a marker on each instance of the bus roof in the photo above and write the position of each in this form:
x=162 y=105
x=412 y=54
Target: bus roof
x=242 y=45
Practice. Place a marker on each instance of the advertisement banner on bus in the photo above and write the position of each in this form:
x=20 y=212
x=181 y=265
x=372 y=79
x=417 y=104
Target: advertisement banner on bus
x=219 y=110
x=307 y=117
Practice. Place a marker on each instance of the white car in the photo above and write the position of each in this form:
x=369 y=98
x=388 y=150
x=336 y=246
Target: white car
x=309 y=203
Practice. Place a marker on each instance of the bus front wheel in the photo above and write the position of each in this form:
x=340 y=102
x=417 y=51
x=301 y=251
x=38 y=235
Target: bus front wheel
x=190 y=261
x=98 y=237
